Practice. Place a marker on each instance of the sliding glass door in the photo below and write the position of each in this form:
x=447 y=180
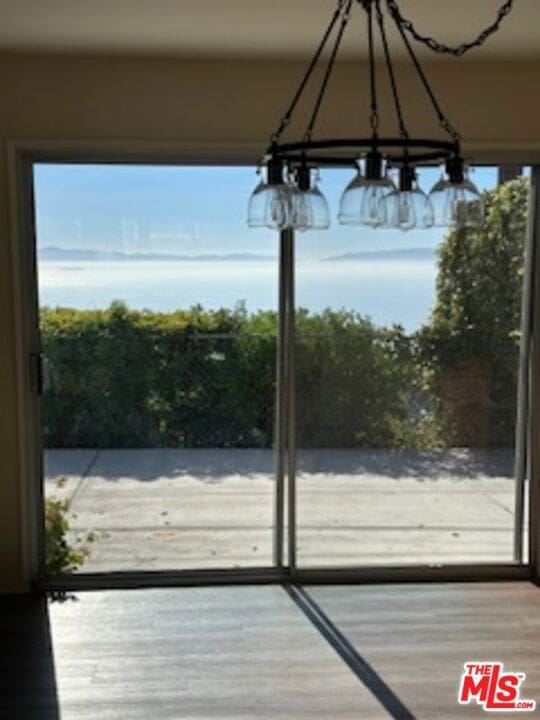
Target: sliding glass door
x=407 y=363
x=218 y=398
x=158 y=320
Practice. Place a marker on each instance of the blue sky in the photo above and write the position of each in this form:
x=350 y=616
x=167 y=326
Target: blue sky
x=190 y=210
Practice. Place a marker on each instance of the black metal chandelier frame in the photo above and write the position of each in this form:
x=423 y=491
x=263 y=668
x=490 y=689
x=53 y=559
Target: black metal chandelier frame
x=403 y=151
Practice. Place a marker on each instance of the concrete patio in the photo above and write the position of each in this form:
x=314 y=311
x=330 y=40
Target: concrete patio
x=175 y=509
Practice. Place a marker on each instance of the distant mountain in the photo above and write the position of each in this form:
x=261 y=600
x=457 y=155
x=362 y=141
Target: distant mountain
x=52 y=252
x=64 y=254
x=397 y=254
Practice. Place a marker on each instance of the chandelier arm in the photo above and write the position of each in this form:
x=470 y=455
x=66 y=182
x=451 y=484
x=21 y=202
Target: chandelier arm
x=374 y=114
x=286 y=119
x=441 y=48
x=395 y=92
x=329 y=68
x=443 y=120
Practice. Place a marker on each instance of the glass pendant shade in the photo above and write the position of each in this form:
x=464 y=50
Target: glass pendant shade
x=361 y=201
x=269 y=206
x=256 y=215
x=316 y=209
x=457 y=204
x=309 y=208
x=407 y=209
x=351 y=201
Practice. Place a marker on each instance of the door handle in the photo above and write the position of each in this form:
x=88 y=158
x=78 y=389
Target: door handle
x=36 y=373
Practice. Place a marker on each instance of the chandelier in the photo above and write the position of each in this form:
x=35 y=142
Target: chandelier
x=384 y=192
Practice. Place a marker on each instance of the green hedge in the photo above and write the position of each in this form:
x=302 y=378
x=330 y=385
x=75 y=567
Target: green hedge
x=120 y=378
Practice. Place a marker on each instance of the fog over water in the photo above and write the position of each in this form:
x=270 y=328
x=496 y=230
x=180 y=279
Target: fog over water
x=388 y=291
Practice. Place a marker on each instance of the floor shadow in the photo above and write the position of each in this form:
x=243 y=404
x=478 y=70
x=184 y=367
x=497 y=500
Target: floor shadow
x=365 y=673
x=28 y=688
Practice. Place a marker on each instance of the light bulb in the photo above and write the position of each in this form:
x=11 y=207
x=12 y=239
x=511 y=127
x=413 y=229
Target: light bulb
x=372 y=210
x=406 y=215
x=301 y=215
x=398 y=210
x=425 y=215
x=278 y=210
x=407 y=209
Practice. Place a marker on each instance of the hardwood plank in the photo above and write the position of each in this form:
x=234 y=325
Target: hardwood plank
x=417 y=637
x=249 y=652
x=184 y=653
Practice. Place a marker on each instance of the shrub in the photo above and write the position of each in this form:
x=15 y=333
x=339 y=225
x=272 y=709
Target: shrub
x=60 y=556
x=355 y=381
x=470 y=348
x=120 y=378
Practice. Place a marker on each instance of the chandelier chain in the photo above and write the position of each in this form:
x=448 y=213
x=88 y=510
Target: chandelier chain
x=441 y=48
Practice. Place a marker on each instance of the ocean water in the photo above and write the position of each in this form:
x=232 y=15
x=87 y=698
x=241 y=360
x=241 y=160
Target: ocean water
x=388 y=291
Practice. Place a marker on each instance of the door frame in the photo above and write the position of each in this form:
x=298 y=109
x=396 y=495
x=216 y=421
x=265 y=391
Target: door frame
x=21 y=157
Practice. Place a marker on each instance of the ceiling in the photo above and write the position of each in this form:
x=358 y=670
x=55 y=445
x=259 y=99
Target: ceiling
x=238 y=28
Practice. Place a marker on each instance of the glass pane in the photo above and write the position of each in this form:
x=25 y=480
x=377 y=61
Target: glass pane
x=407 y=361
x=158 y=322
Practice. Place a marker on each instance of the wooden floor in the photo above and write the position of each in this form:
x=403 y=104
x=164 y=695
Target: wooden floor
x=333 y=652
